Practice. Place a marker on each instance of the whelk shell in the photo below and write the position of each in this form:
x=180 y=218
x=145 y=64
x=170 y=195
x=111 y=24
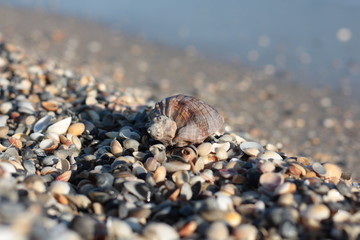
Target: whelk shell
x=181 y=120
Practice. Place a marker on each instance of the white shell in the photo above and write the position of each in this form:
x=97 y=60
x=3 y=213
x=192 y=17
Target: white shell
x=60 y=127
x=251 y=148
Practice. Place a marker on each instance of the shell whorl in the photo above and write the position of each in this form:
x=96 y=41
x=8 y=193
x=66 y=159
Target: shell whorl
x=195 y=119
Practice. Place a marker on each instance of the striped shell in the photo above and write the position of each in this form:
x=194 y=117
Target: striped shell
x=195 y=120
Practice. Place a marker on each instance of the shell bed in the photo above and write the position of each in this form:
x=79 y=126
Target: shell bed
x=77 y=162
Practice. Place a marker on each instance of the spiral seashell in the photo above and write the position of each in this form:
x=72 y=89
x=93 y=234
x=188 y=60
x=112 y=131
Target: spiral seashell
x=181 y=120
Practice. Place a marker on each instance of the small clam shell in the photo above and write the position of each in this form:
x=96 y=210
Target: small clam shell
x=251 y=148
x=140 y=190
x=15 y=142
x=65 y=141
x=189 y=153
x=317 y=212
x=128 y=133
x=186 y=192
x=217 y=230
x=76 y=129
x=5 y=107
x=270 y=156
x=139 y=155
x=341 y=216
x=180 y=177
x=48 y=170
x=42 y=123
x=271 y=180
x=159 y=152
x=4 y=131
x=50 y=105
x=131 y=144
x=199 y=164
x=138 y=168
x=54 y=136
x=63 y=165
x=297 y=170
x=267 y=167
x=204 y=149
x=319 y=169
x=333 y=172
x=36 y=136
x=116 y=148
x=60 y=127
x=17 y=164
x=76 y=141
x=285 y=188
x=3 y=120
x=160 y=231
x=160 y=174
x=151 y=164
x=216 y=146
x=8 y=168
x=48 y=145
x=246 y=232
x=59 y=187
x=233 y=218
x=188 y=229
x=304 y=160
x=221 y=154
x=65 y=176
x=174 y=166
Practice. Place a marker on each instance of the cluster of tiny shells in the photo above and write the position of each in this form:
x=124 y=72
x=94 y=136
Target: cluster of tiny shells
x=76 y=159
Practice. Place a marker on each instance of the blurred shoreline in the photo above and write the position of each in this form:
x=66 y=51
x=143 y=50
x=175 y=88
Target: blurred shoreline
x=319 y=123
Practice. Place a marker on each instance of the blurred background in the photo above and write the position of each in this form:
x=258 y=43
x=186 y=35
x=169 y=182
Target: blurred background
x=281 y=71
x=316 y=42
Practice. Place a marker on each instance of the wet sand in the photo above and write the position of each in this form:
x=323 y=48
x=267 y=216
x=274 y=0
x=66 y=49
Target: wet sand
x=318 y=123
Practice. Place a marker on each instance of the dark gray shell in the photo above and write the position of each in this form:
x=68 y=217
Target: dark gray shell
x=195 y=119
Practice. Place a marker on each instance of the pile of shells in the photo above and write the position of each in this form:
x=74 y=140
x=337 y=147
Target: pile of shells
x=76 y=162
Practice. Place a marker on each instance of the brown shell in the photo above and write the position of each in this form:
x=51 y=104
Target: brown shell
x=195 y=119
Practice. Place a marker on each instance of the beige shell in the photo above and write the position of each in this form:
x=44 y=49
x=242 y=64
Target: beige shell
x=181 y=120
